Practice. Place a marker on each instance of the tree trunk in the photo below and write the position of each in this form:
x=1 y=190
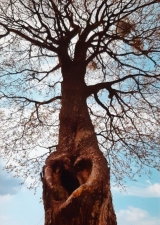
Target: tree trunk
x=76 y=178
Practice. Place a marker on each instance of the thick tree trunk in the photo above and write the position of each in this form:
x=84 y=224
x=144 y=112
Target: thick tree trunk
x=76 y=178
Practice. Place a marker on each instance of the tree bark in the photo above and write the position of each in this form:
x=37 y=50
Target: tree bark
x=76 y=177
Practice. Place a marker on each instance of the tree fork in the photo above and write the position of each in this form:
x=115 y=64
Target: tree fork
x=76 y=178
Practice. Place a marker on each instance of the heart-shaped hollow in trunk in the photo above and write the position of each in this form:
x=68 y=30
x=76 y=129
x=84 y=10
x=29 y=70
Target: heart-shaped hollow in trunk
x=67 y=178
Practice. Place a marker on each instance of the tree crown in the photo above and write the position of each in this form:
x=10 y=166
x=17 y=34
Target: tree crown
x=115 y=43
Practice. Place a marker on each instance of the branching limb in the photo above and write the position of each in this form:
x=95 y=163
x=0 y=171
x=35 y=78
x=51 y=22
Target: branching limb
x=21 y=98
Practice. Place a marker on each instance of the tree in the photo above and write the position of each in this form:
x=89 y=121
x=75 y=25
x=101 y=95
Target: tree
x=97 y=62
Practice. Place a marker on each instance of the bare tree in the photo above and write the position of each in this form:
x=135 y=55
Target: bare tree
x=79 y=78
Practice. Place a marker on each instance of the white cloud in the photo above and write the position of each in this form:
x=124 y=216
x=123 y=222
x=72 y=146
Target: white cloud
x=135 y=216
x=150 y=191
x=22 y=208
x=8 y=184
x=5 y=199
x=7 y=220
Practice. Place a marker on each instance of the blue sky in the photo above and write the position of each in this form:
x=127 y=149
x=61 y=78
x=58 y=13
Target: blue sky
x=139 y=205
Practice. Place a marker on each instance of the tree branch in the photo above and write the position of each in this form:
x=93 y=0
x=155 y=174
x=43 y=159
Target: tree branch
x=31 y=100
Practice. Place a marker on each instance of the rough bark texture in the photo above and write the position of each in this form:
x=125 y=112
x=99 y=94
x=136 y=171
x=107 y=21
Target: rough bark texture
x=76 y=178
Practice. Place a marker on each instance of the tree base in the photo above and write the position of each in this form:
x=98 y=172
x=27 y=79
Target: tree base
x=76 y=190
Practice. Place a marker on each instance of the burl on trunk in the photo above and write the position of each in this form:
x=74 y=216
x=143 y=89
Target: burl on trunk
x=76 y=177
